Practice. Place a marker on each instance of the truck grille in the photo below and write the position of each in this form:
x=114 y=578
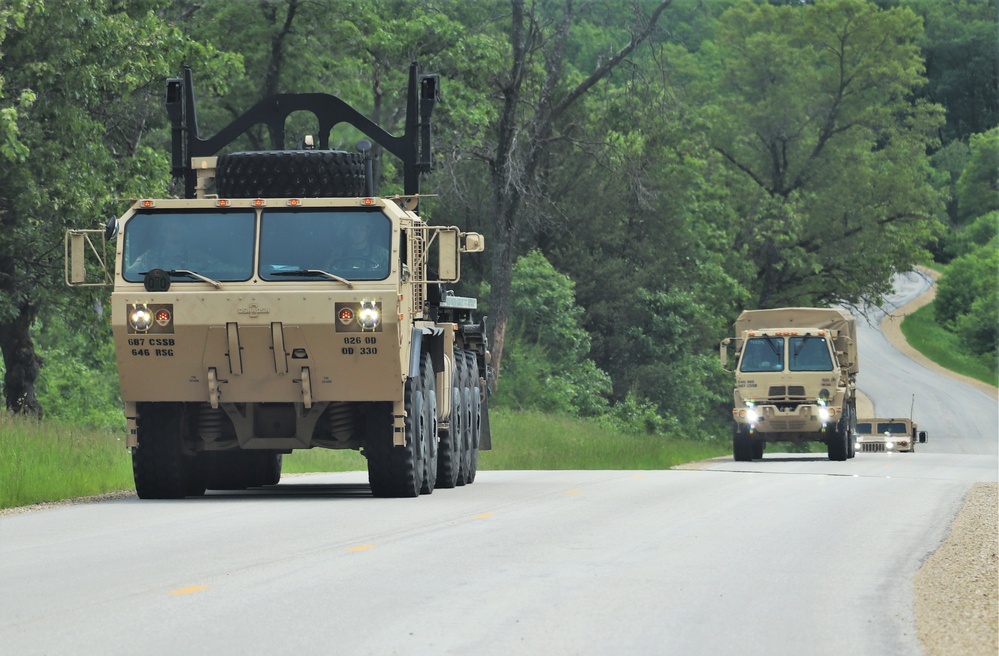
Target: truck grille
x=878 y=447
x=790 y=393
x=787 y=424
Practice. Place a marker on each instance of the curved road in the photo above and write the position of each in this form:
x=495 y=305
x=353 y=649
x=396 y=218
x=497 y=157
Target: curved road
x=790 y=555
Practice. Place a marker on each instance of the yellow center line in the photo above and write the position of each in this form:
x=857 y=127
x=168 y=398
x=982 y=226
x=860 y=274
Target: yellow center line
x=361 y=547
x=189 y=589
x=573 y=491
x=483 y=515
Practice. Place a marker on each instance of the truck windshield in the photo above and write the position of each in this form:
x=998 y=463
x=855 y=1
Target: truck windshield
x=894 y=427
x=864 y=428
x=763 y=354
x=809 y=354
x=216 y=244
x=350 y=243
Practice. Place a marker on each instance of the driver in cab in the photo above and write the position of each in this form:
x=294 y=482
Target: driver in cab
x=360 y=250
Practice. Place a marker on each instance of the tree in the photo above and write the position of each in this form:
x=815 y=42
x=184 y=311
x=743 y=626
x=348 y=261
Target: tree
x=536 y=97
x=978 y=186
x=72 y=151
x=813 y=106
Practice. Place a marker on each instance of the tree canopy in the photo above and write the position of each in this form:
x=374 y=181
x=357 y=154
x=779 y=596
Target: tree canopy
x=642 y=170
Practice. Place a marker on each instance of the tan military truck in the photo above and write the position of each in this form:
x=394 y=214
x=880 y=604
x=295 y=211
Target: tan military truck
x=795 y=379
x=282 y=304
x=888 y=434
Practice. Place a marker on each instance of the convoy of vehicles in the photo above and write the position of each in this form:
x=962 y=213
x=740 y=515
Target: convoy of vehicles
x=282 y=304
x=888 y=434
x=795 y=379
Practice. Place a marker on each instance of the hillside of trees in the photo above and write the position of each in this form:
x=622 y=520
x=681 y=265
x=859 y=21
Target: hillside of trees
x=642 y=170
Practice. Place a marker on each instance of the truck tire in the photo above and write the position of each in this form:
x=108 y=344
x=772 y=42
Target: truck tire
x=851 y=422
x=290 y=174
x=397 y=471
x=758 y=447
x=463 y=406
x=742 y=444
x=838 y=446
x=430 y=424
x=449 y=447
x=159 y=467
x=474 y=415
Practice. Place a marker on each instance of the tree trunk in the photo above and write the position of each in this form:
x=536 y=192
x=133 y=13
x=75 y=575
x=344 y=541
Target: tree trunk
x=523 y=141
x=21 y=362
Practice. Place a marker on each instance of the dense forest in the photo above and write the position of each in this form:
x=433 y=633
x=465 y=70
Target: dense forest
x=642 y=170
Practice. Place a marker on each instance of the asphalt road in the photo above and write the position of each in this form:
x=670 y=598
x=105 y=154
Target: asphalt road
x=790 y=555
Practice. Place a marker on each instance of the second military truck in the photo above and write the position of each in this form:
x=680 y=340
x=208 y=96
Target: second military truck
x=795 y=379
x=282 y=304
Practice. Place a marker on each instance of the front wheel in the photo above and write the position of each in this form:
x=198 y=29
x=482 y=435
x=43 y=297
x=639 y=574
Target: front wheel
x=160 y=467
x=742 y=444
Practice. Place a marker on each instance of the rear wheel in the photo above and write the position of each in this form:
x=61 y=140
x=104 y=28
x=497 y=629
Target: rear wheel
x=758 y=446
x=473 y=415
x=449 y=447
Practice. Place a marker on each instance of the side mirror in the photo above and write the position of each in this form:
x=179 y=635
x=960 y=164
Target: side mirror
x=723 y=352
x=922 y=437
x=474 y=243
x=448 y=260
x=77 y=244
x=111 y=229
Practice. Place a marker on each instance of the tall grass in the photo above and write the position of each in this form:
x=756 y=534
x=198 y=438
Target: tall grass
x=50 y=461
x=931 y=339
x=531 y=440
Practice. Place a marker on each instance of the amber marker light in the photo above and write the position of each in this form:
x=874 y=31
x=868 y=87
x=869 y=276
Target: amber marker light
x=148 y=203
x=294 y=202
x=222 y=202
x=259 y=202
x=368 y=201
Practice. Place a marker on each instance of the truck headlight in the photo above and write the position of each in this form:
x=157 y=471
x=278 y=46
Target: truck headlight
x=752 y=416
x=140 y=318
x=889 y=446
x=369 y=315
x=824 y=414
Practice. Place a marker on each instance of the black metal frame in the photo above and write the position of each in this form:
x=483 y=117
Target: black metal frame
x=413 y=147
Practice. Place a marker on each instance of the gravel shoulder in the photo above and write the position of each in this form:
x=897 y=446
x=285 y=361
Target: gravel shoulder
x=957 y=587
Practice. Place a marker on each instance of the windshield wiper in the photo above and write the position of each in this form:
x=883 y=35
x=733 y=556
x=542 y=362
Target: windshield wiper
x=314 y=273
x=801 y=345
x=194 y=274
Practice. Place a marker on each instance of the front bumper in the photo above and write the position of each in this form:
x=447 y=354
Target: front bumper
x=770 y=419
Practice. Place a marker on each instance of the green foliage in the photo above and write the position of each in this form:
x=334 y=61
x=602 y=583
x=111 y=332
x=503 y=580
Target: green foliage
x=967 y=301
x=79 y=382
x=929 y=337
x=812 y=107
x=962 y=62
x=548 y=368
x=978 y=186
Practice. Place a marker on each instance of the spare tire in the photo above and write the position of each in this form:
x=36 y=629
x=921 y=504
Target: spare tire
x=290 y=174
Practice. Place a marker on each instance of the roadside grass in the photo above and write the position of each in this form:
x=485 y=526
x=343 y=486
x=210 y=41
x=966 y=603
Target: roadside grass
x=50 y=461
x=532 y=440
x=931 y=339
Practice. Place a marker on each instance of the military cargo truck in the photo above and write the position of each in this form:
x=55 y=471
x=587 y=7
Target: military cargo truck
x=281 y=304
x=795 y=379
x=888 y=434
